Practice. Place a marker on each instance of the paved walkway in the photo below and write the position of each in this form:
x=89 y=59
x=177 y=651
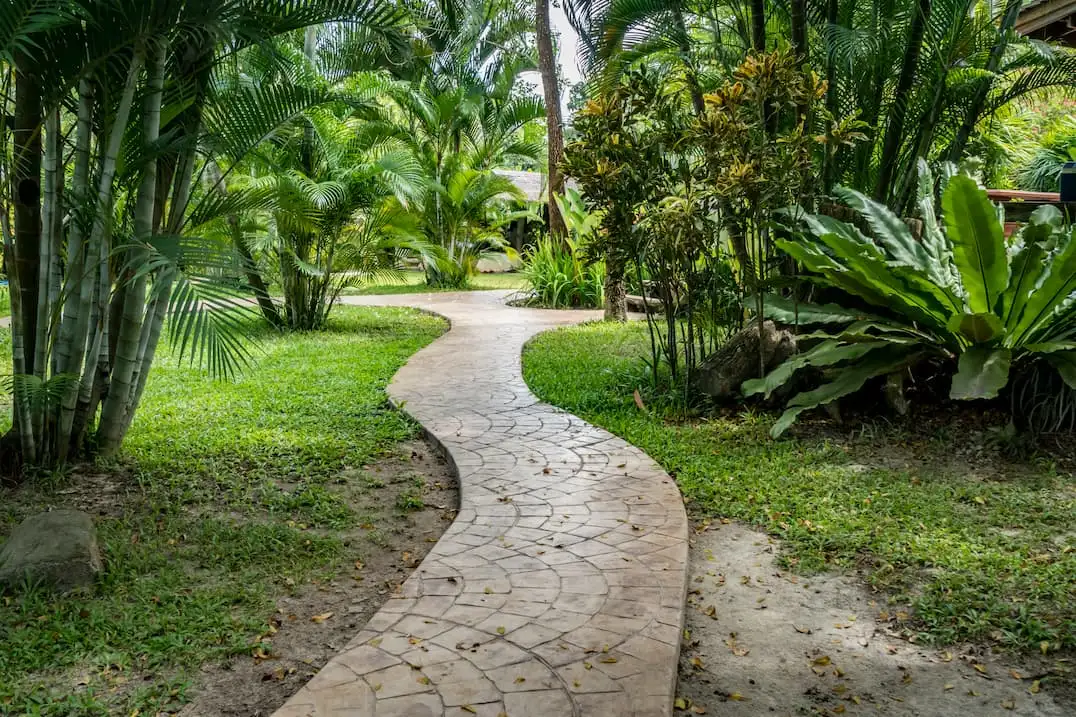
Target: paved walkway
x=559 y=589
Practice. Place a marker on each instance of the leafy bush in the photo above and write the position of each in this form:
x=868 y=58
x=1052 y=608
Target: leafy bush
x=557 y=271
x=958 y=294
x=559 y=277
x=1042 y=173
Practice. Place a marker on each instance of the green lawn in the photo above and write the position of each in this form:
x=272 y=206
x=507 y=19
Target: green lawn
x=413 y=282
x=980 y=550
x=227 y=496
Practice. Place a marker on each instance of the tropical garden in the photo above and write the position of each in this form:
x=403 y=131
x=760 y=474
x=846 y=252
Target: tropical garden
x=791 y=194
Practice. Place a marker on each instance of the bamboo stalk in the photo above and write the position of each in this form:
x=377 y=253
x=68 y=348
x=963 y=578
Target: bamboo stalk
x=121 y=391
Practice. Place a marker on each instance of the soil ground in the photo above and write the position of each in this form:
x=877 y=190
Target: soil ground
x=314 y=623
x=762 y=641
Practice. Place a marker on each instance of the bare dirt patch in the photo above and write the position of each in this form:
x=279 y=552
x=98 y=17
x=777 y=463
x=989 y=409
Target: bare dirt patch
x=759 y=640
x=415 y=495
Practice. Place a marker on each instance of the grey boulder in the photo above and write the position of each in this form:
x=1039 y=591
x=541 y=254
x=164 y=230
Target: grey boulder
x=58 y=549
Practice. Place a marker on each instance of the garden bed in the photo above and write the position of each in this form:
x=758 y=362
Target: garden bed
x=249 y=530
x=959 y=543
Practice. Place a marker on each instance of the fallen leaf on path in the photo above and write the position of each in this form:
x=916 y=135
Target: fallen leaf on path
x=710 y=611
x=802 y=630
x=322 y=617
x=468 y=708
x=979 y=668
x=696 y=662
x=821 y=661
x=1008 y=704
x=680 y=703
x=737 y=697
x=1034 y=689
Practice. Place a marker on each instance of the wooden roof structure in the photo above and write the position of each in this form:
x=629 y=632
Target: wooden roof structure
x=1049 y=20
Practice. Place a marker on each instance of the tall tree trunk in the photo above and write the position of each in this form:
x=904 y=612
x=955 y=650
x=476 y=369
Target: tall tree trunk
x=978 y=104
x=758 y=25
x=894 y=133
x=548 y=66
x=114 y=413
x=26 y=176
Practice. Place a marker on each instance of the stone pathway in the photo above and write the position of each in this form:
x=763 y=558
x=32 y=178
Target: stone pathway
x=559 y=589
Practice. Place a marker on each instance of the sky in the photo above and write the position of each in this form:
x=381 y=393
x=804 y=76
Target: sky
x=567 y=56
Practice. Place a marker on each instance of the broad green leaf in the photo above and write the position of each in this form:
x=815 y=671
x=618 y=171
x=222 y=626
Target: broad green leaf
x=826 y=353
x=848 y=380
x=1054 y=285
x=978 y=241
x=889 y=230
x=786 y=311
x=1065 y=363
x=1027 y=267
x=976 y=328
x=981 y=373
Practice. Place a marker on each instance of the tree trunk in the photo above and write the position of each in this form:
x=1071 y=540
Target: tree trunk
x=114 y=413
x=616 y=296
x=26 y=174
x=758 y=25
x=548 y=66
x=895 y=131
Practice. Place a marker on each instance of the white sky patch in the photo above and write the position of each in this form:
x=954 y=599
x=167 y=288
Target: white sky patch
x=567 y=55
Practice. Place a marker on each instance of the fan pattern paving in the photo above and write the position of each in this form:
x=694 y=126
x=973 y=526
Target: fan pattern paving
x=559 y=589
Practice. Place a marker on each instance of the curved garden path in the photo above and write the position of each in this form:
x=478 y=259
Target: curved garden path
x=559 y=589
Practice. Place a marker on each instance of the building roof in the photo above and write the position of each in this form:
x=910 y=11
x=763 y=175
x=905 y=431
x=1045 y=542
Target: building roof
x=1049 y=20
x=532 y=184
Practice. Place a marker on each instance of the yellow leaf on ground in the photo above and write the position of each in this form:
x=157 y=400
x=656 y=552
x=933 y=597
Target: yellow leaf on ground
x=468 y=708
x=500 y=630
x=1034 y=689
x=979 y=668
x=322 y=617
x=697 y=662
x=737 y=697
x=680 y=703
x=821 y=661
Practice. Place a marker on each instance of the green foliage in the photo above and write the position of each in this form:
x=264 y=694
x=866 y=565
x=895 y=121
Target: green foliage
x=559 y=278
x=979 y=554
x=959 y=295
x=557 y=272
x=922 y=76
x=230 y=494
x=1042 y=172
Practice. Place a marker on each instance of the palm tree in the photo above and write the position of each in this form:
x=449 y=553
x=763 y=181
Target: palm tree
x=554 y=133
x=110 y=247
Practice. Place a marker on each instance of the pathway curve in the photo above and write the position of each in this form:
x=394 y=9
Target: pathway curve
x=559 y=589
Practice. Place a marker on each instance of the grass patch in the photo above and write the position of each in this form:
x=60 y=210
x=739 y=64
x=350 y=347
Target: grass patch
x=414 y=282
x=225 y=498
x=982 y=551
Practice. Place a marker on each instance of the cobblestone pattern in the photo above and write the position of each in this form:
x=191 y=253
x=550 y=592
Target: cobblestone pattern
x=559 y=589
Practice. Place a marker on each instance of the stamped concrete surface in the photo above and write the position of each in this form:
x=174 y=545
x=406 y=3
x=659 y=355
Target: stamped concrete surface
x=559 y=589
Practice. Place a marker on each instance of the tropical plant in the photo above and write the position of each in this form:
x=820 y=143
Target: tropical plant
x=559 y=277
x=921 y=74
x=1042 y=173
x=116 y=106
x=556 y=270
x=958 y=296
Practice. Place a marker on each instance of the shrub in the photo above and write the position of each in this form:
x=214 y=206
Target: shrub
x=959 y=294
x=559 y=277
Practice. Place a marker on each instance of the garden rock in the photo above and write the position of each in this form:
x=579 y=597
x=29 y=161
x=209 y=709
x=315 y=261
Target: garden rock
x=58 y=549
x=721 y=375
